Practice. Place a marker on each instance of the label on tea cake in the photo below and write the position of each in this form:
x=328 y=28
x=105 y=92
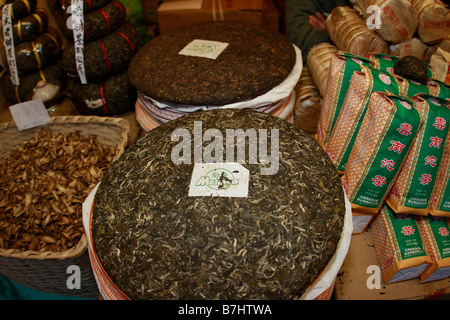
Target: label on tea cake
x=219 y=180
x=204 y=49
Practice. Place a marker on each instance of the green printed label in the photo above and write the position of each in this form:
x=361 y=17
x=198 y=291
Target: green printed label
x=381 y=81
x=387 y=158
x=415 y=87
x=444 y=199
x=444 y=90
x=439 y=228
x=430 y=150
x=406 y=232
x=385 y=62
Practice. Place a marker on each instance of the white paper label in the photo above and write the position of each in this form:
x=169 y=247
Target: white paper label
x=219 y=180
x=78 y=37
x=8 y=42
x=204 y=49
x=29 y=114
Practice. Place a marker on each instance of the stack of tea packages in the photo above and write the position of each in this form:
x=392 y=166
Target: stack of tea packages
x=384 y=123
x=29 y=53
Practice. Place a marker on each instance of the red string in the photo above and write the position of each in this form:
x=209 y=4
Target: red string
x=106 y=17
x=85 y=33
x=90 y=4
x=128 y=40
x=103 y=99
x=117 y=4
x=106 y=56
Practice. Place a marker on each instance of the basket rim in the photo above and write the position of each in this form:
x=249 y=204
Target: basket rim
x=73 y=252
x=81 y=246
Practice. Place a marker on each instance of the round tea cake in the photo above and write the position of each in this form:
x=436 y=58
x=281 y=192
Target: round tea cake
x=251 y=60
x=157 y=238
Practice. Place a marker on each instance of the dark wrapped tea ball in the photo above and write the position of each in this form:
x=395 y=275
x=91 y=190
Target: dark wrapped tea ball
x=412 y=68
x=103 y=56
x=100 y=21
x=20 y=8
x=30 y=83
x=29 y=27
x=36 y=54
x=111 y=96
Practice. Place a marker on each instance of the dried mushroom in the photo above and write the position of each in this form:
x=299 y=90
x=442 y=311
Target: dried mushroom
x=44 y=183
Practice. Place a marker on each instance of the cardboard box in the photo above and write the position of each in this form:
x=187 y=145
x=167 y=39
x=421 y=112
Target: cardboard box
x=174 y=14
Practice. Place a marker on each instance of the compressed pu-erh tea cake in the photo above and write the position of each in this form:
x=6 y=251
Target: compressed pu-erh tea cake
x=160 y=234
x=178 y=67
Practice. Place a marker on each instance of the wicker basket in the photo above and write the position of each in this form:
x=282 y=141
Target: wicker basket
x=48 y=271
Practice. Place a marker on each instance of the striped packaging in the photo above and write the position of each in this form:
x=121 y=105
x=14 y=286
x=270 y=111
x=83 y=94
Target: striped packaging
x=435 y=232
x=354 y=107
x=376 y=158
x=341 y=69
x=412 y=189
x=398 y=245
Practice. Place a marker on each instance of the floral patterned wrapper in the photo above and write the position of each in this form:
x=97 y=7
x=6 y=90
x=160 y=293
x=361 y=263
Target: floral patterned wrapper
x=435 y=232
x=386 y=134
x=412 y=189
x=342 y=66
x=439 y=89
x=384 y=62
x=398 y=245
x=354 y=107
x=439 y=204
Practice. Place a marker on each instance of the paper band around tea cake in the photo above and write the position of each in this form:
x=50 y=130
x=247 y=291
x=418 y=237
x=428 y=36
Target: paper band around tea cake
x=150 y=116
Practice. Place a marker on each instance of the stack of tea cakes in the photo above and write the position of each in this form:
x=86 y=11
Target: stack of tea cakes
x=109 y=44
x=36 y=49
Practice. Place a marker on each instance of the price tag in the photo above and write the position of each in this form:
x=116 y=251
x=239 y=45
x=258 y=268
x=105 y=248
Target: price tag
x=78 y=37
x=8 y=42
x=29 y=114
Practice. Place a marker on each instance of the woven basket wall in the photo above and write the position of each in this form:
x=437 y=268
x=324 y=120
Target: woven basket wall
x=47 y=271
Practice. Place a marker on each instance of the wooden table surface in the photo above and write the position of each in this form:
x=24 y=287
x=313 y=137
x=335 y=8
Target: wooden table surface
x=360 y=268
